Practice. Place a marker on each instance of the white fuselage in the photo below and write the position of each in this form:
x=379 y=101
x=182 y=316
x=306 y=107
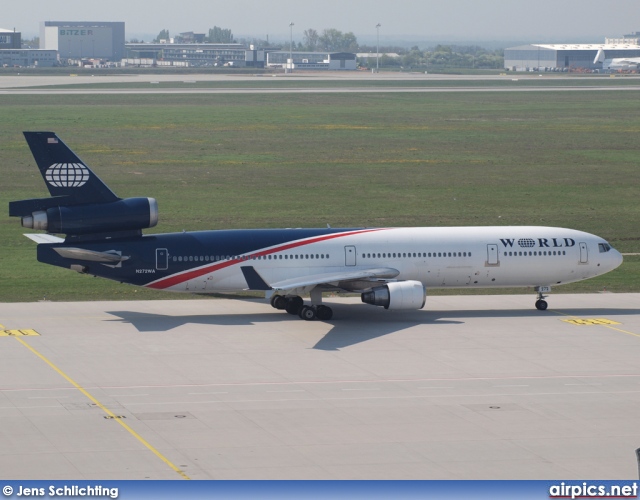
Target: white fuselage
x=471 y=257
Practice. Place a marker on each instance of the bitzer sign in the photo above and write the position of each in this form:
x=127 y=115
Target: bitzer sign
x=72 y=32
x=85 y=43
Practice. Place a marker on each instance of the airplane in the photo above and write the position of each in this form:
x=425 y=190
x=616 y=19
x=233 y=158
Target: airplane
x=617 y=63
x=388 y=267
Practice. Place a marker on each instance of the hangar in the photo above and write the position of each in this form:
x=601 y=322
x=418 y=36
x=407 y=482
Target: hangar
x=567 y=56
x=77 y=40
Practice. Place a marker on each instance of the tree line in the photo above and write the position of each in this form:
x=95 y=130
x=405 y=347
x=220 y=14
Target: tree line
x=333 y=40
x=329 y=40
x=216 y=35
x=454 y=56
x=439 y=57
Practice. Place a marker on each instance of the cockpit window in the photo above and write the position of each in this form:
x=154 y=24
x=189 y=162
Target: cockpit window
x=604 y=247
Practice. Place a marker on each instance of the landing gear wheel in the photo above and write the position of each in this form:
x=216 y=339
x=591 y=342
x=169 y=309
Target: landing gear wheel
x=324 y=313
x=307 y=313
x=293 y=305
x=278 y=302
x=541 y=305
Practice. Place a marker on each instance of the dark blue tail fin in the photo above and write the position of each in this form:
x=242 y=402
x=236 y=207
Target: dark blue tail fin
x=64 y=173
x=81 y=205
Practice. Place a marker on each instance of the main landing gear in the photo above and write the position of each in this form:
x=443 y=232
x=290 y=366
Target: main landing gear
x=541 y=304
x=295 y=305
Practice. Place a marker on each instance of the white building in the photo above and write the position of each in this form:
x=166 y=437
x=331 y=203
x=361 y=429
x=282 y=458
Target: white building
x=312 y=60
x=567 y=56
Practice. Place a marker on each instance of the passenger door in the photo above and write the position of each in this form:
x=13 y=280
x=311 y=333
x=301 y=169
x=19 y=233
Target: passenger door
x=584 y=253
x=492 y=255
x=162 y=259
x=349 y=256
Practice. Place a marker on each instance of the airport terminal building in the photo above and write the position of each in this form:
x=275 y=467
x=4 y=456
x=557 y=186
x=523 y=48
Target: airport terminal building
x=233 y=54
x=10 y=39
x=189 y=54
x=13 y=55
x=91 y=44
x=28 y=58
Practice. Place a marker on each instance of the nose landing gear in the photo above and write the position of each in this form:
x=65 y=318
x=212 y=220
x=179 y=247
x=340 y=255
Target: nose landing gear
x=541 y=304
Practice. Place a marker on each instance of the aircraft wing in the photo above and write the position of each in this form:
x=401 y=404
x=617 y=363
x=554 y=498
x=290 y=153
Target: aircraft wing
x=256 y=282
x=628 y=60
x=616 y=62
x=111 y=256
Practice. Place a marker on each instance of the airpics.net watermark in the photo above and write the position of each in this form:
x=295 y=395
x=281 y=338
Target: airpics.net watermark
x=61 y=491
x=587 y=490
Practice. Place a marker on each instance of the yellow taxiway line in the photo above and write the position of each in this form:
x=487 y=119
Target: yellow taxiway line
x=110 y=414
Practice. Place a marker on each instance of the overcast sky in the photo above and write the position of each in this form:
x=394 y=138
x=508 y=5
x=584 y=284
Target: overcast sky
x=530 y=20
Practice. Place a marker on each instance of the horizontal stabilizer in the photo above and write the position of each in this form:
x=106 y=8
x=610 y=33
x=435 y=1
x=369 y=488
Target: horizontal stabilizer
x=25 y=208
x=44 y=238
x=110 y=257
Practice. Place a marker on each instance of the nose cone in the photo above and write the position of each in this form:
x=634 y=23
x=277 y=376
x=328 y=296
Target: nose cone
x=614 y=260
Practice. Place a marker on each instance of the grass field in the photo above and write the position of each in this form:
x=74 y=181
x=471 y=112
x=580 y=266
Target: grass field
x=300 y=160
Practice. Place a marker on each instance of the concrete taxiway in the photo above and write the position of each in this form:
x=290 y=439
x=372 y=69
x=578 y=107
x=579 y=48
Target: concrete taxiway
x=471 y=387
x=84 y=77
x=349 y=82
x=308 y=90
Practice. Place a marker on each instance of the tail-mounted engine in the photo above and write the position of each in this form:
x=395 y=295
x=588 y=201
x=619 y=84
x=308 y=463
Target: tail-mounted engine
x=81 y=205
x=118 y=216
x=397 y=295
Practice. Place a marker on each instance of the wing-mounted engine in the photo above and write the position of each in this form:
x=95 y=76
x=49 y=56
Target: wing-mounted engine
x=397 y=295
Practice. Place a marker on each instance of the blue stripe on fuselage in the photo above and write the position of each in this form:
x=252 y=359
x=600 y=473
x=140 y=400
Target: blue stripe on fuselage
x=140 y=268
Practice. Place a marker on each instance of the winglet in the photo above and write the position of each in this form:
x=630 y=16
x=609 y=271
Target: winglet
x=254 y=280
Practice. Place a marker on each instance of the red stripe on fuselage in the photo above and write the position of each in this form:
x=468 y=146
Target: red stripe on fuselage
x=176 y=279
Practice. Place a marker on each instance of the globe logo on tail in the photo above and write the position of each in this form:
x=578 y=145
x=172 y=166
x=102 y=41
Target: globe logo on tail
x=67 y=175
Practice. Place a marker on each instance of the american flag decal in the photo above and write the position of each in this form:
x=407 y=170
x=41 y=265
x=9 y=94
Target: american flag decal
x=52 y=140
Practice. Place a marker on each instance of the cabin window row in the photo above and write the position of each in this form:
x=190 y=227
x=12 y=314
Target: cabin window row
x=410 y=255
x=535 y=253
x=215 y=258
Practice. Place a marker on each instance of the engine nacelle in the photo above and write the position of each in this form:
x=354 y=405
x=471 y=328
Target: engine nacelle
x=397 y=295
x=122 y=215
